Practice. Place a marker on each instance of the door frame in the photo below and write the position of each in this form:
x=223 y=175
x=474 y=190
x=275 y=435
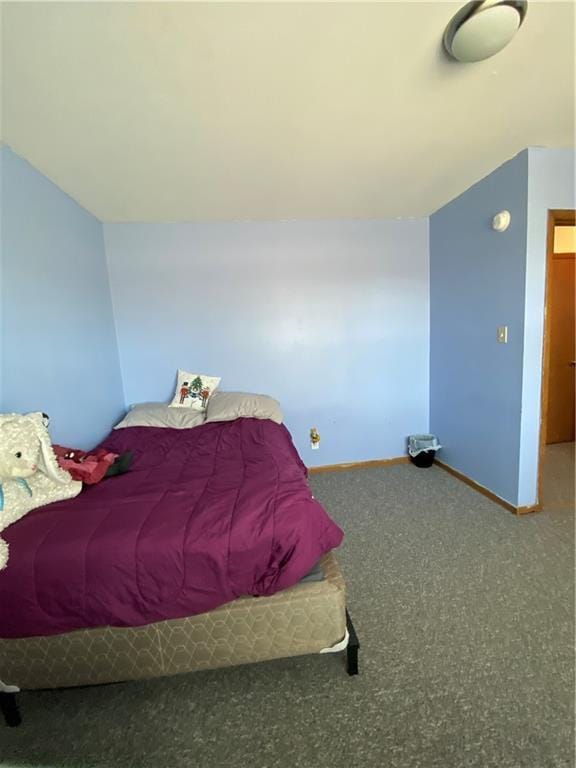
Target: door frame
x=564 y=218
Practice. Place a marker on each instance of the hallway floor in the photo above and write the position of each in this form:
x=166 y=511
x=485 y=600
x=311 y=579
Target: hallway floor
x=558 y=480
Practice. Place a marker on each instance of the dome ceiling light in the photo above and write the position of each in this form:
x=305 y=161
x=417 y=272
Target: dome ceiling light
x=482 y=28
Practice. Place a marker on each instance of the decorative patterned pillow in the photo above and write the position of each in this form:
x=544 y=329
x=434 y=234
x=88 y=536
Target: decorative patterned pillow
x=193 y=390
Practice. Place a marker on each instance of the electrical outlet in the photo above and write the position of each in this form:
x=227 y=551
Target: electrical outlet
x=314 y=439
x=502 y=334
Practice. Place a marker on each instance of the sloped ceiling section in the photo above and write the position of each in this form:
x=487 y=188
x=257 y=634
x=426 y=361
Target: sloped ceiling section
x=188 y=111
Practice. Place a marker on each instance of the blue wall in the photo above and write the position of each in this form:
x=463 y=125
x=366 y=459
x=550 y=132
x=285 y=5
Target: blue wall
x=58 y=350
x=550 y=185
x=477 y=283
x=332 y=318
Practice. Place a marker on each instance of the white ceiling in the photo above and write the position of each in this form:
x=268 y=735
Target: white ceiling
x=184 y=111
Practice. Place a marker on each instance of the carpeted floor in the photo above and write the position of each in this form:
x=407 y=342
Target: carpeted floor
x=558 y=477
x=466 y=618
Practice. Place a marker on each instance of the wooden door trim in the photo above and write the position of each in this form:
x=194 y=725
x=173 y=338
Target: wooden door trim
x=557 y=217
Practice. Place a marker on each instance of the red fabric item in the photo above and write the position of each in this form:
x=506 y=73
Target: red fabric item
x=90 y=468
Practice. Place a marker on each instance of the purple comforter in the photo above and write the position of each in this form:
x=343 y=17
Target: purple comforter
x=204 y=515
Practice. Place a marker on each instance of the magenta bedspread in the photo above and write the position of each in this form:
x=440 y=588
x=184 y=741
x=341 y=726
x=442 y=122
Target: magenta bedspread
x=205 y=515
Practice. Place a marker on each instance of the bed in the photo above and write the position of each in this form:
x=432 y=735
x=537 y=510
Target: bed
x=197 y=558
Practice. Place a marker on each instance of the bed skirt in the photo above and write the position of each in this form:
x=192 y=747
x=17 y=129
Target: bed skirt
x=306 y=618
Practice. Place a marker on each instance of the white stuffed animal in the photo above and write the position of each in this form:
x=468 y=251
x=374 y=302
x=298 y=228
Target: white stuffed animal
x=29 y=473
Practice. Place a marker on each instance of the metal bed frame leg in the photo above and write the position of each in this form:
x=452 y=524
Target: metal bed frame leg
x=352 y=648
x=9 y=709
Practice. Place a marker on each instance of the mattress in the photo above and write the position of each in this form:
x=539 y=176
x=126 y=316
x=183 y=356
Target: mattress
x=307 y=618
x=316 y=574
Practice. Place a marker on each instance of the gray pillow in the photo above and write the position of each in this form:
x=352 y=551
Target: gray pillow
x=161 y=415
x=227 y=406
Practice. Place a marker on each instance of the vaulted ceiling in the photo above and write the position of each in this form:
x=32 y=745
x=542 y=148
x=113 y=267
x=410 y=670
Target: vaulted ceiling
x=156 y=111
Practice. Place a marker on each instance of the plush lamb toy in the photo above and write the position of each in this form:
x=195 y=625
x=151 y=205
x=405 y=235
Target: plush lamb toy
x=29 y=473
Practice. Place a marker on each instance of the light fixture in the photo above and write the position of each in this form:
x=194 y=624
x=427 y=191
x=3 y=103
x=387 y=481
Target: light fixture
x=482 y=28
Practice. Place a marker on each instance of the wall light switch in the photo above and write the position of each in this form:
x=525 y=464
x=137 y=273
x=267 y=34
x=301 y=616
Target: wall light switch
x=503 y=334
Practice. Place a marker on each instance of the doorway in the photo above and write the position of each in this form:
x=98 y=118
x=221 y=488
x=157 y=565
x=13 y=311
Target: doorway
x=556 y=471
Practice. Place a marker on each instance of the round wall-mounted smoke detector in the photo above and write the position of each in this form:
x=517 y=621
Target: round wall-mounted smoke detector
x=501 y=221
x=482 y=28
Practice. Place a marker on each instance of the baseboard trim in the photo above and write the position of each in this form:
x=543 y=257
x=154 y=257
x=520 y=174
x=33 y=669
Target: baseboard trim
x=359 y=465
x=528 y=510
x=485 y=492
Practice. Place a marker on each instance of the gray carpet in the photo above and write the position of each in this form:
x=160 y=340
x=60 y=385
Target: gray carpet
x=465 y=615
